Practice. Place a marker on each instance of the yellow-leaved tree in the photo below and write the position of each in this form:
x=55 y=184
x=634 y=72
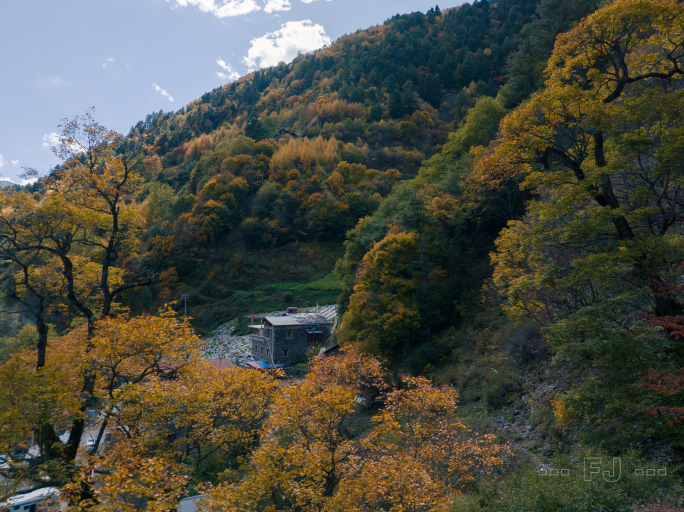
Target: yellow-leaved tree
x=600 y=149
x=319 y=451
x=170 y=433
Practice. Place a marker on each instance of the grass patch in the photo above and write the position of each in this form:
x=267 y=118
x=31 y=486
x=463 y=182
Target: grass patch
x=328 y=283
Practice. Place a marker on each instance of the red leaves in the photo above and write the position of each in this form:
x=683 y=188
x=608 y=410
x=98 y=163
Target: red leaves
x=666 y=384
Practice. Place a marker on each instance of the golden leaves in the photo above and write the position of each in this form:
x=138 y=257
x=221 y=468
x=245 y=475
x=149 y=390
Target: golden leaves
x=169 y=429
x=336 y=183
x=624 y=42
x=31 y=399
x=318 y=453
x=135 y=348
x=595 y=147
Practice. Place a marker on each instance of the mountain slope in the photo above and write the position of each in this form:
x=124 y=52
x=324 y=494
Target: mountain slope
x=230 y=208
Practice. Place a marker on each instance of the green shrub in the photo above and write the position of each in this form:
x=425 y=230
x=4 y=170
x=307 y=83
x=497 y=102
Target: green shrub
x=465 y=504
x=661 y=504
x=299 y=370
x=529 y=491
x=26 y=337
x=546 y=423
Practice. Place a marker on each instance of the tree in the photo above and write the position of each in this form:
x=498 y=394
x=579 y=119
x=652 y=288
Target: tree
x=170 y=433
x=35 y=404
x=480 y=127
x=398 y=289
x=396 y=106
x=19 y=279
x=384 y=311
x=316 y=455
x=336 y=183
x=602 y=162
x=94 y=186
x=173 y=416
x=417 y=430
x=159 y=201
x=526 y=65
x=255 y=129
x=376 y=112
x=132 y=350
x=596 y=248
x=88 y=207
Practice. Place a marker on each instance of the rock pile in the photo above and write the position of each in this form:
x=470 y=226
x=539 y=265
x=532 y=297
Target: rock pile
x=224 y=344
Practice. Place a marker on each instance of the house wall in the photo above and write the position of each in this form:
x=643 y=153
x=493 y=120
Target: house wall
x=261 y=346
x=284 y=350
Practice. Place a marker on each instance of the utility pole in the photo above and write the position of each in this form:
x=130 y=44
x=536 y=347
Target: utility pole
x=185 y=298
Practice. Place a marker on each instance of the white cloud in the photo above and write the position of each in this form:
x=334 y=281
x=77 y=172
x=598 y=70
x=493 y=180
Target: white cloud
x=230 y=74
x=2 y=161
x=284 y=44
x=309 y=1
x=277 y=5
x=50 y=140
x=221 y=8
x=111 y=59
x=163 y=92
x=15 y=162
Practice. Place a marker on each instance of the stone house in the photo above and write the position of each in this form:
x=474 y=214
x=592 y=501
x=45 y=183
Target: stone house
x=285 y=340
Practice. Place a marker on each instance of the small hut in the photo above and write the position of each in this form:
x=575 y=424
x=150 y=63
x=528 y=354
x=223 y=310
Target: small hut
x=286 y=339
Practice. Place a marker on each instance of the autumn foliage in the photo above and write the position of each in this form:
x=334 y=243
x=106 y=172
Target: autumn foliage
x=321 y=451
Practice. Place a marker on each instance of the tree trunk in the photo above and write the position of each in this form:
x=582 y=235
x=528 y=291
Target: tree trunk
x=42 y=329
x=78 y=424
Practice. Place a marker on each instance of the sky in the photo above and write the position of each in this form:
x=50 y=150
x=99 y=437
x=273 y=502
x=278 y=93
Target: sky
x=129 y=58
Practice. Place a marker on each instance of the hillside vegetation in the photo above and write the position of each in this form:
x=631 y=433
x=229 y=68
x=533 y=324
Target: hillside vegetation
x=228 y=208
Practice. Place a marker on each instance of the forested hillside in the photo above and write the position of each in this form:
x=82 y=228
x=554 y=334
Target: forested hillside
x=228 y=208
x=492 y=194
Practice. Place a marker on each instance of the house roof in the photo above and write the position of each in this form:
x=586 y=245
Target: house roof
x=222 y=364
x=190 y=504
x=263 y=365
x=297 y=319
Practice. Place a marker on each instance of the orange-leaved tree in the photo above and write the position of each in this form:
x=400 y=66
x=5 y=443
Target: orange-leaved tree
x=320 y=452
x=35 y=404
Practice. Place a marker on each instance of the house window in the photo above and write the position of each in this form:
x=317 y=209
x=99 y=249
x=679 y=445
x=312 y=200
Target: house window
x=289 y=335
x=285 y=351
x=268 y=333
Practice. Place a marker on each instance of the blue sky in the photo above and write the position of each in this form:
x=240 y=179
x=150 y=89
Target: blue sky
x=128 y=58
